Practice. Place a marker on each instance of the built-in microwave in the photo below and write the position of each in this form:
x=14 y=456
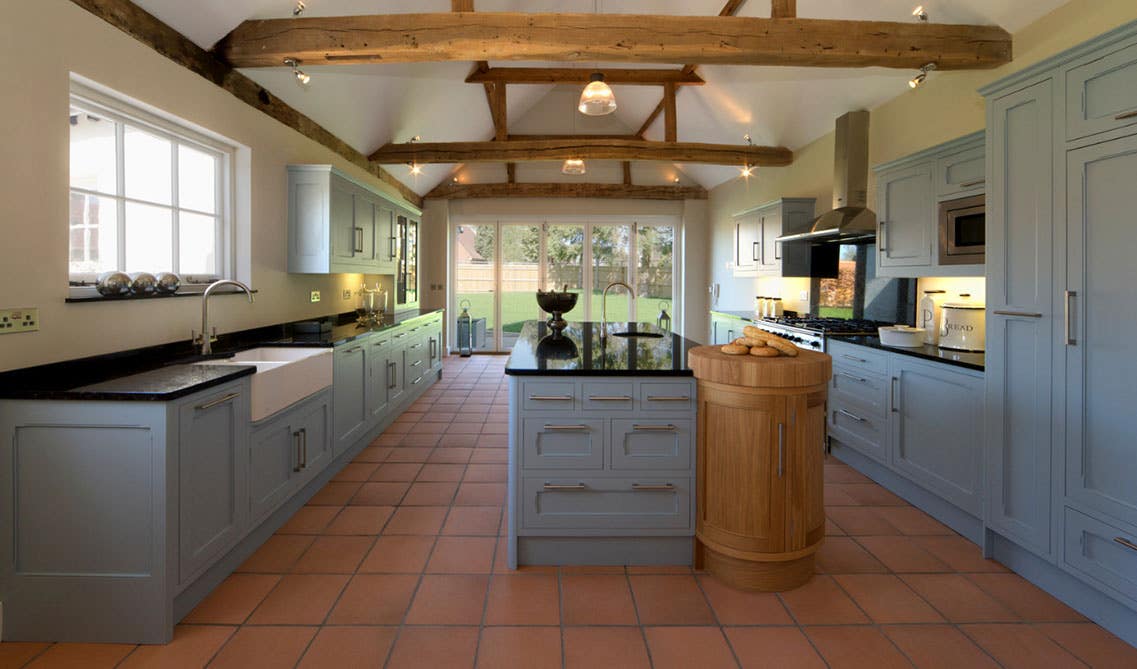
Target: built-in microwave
x=963 y=225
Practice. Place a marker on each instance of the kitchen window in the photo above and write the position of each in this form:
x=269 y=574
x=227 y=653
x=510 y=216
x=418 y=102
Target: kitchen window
x=147 y=194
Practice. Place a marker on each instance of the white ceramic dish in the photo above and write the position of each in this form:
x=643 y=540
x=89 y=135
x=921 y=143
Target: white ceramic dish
x=901 y=335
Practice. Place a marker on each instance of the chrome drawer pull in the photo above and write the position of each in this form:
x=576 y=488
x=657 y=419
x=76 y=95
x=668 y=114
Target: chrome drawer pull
x=1125 y=115
x=646 y=487
x=565 y=487
x=1125 y=542
x=416 y=381
x=1070 y=295
x=1017 y=314
x=667 y=398
x=298 y=467
x=654 y=428
x=304 y=447
x=610 y=398
x=353 y=349
x=550 y=398
x=853 y=358
x=850 y=376
x=220 y=400
x=852 y=415
x=566 y=428
x=416 y=363
x=969 y=184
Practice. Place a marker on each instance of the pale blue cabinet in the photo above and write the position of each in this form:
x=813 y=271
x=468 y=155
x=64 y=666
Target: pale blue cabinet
x=314 y=418
x=379 y=376
x=962 y=173
x=286 y=451
x=350 y=374
x=725 y=329
x=1101 y=95
x=906 y=205
x=212 y=475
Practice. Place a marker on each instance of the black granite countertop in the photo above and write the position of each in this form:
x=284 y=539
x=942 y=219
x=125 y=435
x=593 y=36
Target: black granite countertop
x=928 y=352
x=583 y=352
x=162 y=384
x=345 y=330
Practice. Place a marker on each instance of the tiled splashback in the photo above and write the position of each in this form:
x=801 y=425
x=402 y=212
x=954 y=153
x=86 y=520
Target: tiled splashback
x=791 y=289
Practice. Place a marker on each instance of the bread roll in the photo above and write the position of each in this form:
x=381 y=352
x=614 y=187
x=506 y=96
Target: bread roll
x=764 y=352
x=735 y=349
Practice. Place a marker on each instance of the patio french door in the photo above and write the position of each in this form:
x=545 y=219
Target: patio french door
x=497 y=267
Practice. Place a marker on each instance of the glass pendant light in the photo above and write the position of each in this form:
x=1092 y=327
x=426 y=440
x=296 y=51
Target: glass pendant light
x=597 y=98
x=573 y=166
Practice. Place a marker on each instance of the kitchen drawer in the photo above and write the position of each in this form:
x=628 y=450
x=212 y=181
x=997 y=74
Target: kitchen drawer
x=861 y=430
x=1098 y=550
x=673 y=397
x=961 y=172
x=861 y=358
x=859 y=387
x=650 y=444
x=548 y=395
x=417 y=359
x=642 y=503
x=607 y=396
x=401 y=335
x=1102 y=95
x=572 y=443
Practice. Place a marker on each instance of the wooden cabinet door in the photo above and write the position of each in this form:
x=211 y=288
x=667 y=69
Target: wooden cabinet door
x=804 y=462
x=350 y=396
x=1099 y=349
x=907 y=210
x=1020 y=326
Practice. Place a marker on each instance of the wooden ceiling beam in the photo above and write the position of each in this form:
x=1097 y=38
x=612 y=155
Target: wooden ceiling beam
x=670 y=122
x=461 y=5
x=723 y=40
x=568 y=75
x=783 y=9
x=452 y=191
x=495 y=95
x=573 y=137
x=627 y=164
x=425 y=153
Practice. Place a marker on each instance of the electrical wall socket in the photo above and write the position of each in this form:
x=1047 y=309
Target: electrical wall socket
x=347 y=293
x=19 y=320
x=803 y=296
x=315 y=296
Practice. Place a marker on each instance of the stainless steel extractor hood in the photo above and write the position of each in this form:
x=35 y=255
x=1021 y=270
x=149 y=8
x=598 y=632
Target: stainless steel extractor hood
x=850 y=221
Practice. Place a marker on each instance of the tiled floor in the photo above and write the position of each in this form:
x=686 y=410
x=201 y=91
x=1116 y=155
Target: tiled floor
x=399 y=562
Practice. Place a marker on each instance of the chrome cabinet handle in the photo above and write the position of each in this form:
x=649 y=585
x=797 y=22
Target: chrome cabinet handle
x=304 y=447
x=416 y=381
x=220 y=400
x=642 y=487
x=781 y=449
x=654 y=428
x=296 y=436
x=969 y=184
x=892 y=395
x=391 y=253
x=358 y=246
x=610 y=398
x=1124 y=115
x=416 y=363
x=1070 y=295
x=567 y=428
x=565 y=487
x=1125 y=542
x=881 y=239
x=393 y=375
x=777 y=256
x=852 y=415
x=1017 y=314
x=400 y=335
x=854 y=358
x=667 y=398
x=850 y=376
x=433 y=346
x=353 y=349
x=550 y=398
x=754 y=251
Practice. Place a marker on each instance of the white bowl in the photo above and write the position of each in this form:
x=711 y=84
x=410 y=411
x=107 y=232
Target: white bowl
x=901 y=335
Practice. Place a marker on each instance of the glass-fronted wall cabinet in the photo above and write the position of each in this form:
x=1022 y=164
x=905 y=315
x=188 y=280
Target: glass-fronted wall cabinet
x=406 y=276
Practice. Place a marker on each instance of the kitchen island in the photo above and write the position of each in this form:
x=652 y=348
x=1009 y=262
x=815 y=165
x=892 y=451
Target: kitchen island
x=601 y=446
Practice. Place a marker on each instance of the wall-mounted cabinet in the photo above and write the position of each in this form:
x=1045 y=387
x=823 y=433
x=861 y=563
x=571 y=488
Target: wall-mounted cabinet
x=337 y=225
x=756 y=252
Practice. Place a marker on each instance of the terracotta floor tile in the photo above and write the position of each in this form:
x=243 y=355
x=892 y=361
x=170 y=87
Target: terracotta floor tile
x=853 y=647
x=374 y=599
x=373 y=454
x=597 y=599
x=430 y=493
x=959 y=553
x=231 y=602
x=396 y=471
x=1021 y=647
x=264 y=648
x=277 y=554
x=436 y=472
x=844 y=474
x=486 y=474
x=450 y=456
x=348 y=647
x=843 y=555
x=938 y=647
x=460 y=426
x=581 y=569
x=493 y=441
x=431 y=428
x=912 y=521
x=435 y=648
x=389 y=439
x=299 y=599
x=1030 y=602
x=310 y=520
x=420 y=440
x=380 y=493
x=356 y=471
x=462 y=555
x=15 y=654
x=887 y=599
x=861 y=521
x=832 y=529
x=473 y=521
x=519 y=648
x=410 y=454
x=686 y=647
x=870 y=494
x=822 y=602
x=903 y=555
x=458 y=441
x=835 y=496
x=773 y=648
x=674 y=569
x=738 y=607
x=448 y=600
x=599 y=647
x=523 y=599
x=958 y=599
x=360 y=520
x=193 y=646
x=670 y=600
x=85 y=655
x=398 y=555
x=334 y=555
x=336 y=493
x=480 y=494
x=416 y=520
x=1092 y=644
x=433 y=416
x=490 y=456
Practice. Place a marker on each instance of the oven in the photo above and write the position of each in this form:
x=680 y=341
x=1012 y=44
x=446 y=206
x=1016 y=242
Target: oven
x=963 y=231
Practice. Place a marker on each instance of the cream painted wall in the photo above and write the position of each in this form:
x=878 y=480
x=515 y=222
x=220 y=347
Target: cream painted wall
x=946 y=107
x=40 y=44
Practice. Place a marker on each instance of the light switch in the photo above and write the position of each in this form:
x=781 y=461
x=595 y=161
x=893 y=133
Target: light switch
x=19 y=320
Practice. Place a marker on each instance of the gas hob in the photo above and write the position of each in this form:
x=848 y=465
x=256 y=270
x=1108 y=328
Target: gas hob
x=809 y=332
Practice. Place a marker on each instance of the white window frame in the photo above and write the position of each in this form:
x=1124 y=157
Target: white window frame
x=96 y=99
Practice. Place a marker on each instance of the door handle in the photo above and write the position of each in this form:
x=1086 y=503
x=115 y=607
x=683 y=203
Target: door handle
x=666 y=398
x=654 y=428
x=550 y=398
x=220 y=400
x=565 y=487
x=1125 y=542
x=754 y=251
x=777 y=256
x=304 y=447
x=852 y=415
x=850 y=376
x=566 y=428
x=892 y=395
x=391 y=254
x=969 y=184
x=1070 y=295
x=647 y=487
x=357 y=247
x=1017 y=314
x=392 y=375
x=853 y=358
x=296 y=436
x=1124 y=115
x=881 y=239
x=781 y=449
x=610 y=398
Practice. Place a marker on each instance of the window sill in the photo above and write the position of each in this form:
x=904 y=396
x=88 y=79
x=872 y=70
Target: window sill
x=194 y=292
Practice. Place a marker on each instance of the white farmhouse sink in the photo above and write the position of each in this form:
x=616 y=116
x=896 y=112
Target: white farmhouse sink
x=284 y=375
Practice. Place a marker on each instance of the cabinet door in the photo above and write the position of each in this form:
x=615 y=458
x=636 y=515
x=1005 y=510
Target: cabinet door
x=1019 y=316
x=342 y=221
x=378 y=377
x=937 y=430
x=316 y=451
x=1100 y=351
x=434 y=344
x=385 y=240
x=212 y=492
x=961 y=173
x=769 y=229
x=349 y=395
x=1102 y=95
x=396 y=377
x=746 y=242
x=726 y=330
x=907 y=209
x=804 y=465
x=364 y=233
x=274 y=466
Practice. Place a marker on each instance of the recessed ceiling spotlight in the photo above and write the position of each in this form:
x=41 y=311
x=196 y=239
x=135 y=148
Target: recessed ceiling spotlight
x=299 y=8
x=746 y=171
x=454 y=180
x=919 y=79
x=416 y=169
x=301 y=76
x=597 y=98
x=920 y=13
x=573 y=166
x=675 y=180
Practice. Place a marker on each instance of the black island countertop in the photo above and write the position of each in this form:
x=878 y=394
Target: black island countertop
x=964 y=359
x=169 y=371
x=583 y=351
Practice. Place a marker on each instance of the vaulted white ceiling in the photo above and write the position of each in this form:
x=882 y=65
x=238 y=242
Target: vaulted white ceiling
x=370 y=105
